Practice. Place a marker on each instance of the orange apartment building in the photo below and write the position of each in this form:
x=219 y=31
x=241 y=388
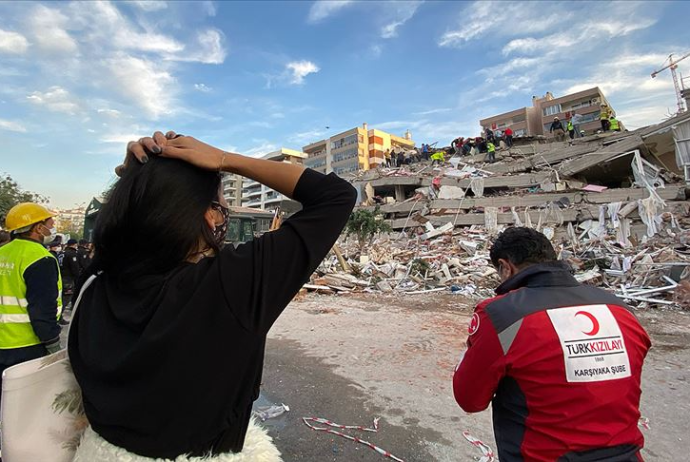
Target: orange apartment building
x=359 y=148
x=536 y=120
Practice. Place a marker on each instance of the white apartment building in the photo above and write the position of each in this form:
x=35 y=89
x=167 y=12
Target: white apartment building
x=258 y=196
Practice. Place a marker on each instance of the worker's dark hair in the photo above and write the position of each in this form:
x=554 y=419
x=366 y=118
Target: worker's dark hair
x=522 y=246
x=152 y=219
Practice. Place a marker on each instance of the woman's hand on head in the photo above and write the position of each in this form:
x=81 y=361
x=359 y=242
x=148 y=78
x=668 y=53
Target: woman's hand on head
x=195 y=152
x=139 y=151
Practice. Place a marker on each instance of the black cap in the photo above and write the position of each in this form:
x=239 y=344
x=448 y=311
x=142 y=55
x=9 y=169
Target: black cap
x=71 y=242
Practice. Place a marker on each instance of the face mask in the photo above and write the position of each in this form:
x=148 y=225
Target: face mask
x=221 y=230
x=50 y=237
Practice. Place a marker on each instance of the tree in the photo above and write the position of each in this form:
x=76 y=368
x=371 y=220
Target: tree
x=11 y=194
x=365 y=224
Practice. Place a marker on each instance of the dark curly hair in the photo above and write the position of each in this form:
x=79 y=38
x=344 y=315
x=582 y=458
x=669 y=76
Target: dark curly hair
x=522 y=246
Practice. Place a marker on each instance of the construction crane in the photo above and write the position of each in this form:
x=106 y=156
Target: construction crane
x=673 y=65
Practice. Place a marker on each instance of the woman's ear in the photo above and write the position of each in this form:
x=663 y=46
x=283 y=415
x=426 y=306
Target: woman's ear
x=210 y=218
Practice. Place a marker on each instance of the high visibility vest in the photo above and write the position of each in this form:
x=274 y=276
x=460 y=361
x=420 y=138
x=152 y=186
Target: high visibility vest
x=15 y=324
x=570 y=125
x=491 y=147
x=604 y=114
x=438 y=156
x=614 y=124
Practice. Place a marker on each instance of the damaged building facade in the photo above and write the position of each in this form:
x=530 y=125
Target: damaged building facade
x=536 y=119
x=615 y=205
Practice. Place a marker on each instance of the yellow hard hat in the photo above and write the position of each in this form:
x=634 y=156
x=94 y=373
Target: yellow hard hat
x=25 y=214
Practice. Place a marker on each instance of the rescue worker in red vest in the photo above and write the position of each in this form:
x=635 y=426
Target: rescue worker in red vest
x=560 y=362
x=30 y=287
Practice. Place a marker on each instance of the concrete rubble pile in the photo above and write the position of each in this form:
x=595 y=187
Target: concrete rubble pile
x=614 y=205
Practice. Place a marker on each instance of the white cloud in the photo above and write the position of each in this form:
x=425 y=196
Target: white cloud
x=209 y=8
x=309 y=136
x=503 y=19
x=202 y=88
x=322 y=9
x=12 y=126
x=103 y=23
x=148 y=5
x=49 y=31
x=433 y=111
x=375 y=51
x=56 y=99
x=12 y=42
x=261 y=149
x=298 y=70
x=403 y=12
x=144 y=83
x=210 y=49
x=114 y=113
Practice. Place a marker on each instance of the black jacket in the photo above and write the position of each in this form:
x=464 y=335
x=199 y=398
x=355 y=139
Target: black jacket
x=172 y=367
x=556 y=125
x=70 y=266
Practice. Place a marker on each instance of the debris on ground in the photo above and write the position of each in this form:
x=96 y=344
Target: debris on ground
x=269 y=412
x=328 y=429
x=611 y=206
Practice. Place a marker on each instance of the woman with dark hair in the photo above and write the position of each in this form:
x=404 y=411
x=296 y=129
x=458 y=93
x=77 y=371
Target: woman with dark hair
x=169 y=338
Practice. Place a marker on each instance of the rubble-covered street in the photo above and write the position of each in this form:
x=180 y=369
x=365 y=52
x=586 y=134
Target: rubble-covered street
x=355 y=357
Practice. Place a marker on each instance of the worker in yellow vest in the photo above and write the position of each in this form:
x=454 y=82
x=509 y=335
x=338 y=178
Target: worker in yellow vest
x=604 y=117
x=491 y=149
x=438 y=158
x=613 y=124
x=30 y=287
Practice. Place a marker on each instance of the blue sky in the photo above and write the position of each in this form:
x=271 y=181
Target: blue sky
x=77 y=80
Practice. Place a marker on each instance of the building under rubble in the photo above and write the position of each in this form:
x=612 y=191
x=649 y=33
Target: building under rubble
x=634 y=183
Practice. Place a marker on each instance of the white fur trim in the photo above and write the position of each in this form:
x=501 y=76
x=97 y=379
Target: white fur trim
x=258 y=447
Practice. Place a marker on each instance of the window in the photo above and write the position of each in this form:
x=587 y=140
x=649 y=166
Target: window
x=586 y=118
x=348 y=154
x=339 y=143
x=551 y=110
x=519 y=118
x=587 y=103
x=314 y=164
x=521 y=132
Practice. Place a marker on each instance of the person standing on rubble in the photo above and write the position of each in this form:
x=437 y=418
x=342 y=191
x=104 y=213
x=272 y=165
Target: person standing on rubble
x=577 y=121
x=613 y=124
x=509 y=137
x=571 y=129
x=168 y=342
x=604 y=115
x=561 y=362
x=491 y=150
x=557 y=129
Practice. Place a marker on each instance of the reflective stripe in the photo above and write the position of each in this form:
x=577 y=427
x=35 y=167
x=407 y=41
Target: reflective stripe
x=14 y=318
x=13 y=301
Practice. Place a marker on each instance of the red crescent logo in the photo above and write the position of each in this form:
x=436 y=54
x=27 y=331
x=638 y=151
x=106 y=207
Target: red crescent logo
x=595 y=323
x=474 y=324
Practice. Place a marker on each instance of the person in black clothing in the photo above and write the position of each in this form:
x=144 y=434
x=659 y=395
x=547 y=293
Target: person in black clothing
x=557 y=129
x=83 y=255
x=169 y=339
x=70 y=270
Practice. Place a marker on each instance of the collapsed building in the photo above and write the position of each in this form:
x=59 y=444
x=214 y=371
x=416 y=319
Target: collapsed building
x=614 y=204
